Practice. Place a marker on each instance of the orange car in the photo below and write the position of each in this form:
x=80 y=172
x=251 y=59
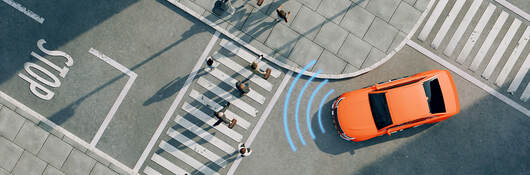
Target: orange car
x=392 y=106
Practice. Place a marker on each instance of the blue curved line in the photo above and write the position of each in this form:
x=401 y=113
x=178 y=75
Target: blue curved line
x=298 y=105
x=308 y=110
x=320 y=110
x=285 y=127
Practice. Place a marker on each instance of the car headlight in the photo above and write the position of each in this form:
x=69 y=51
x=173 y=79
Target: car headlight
x=345 y=137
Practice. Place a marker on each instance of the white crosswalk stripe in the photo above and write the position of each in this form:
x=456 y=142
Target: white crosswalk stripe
x=242 y=71
x=501 y=49
x=232 y=82
x=248 y=56
x=432 y=20
x=167 y=164
x=150 y=171
x=526 y=93
x=513 y=57
x=186 y=158
x=486 y=45
x=196 y=147
x=476 y=33
x=520 y=75
x=210 y=120
x=462 y=27
x=216 y=107
x=227 y=96
x=204 y=135
x=447 y=23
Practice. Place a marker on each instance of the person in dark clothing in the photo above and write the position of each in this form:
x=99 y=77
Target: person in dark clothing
x=282 y=14
x=260 y=2
x=223 y=119
x=244 y=151
x=242 y=87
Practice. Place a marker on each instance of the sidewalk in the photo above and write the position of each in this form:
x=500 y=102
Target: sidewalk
x=344 y=36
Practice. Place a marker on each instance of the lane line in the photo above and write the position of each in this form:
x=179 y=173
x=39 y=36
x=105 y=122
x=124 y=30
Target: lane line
x=473 y=38
x=216 y=107
x=163 y=162
x=204 y=135
x=520 y=75
x=227 y=96
x=210 y=120
x=501 y=49
x=486 y=45
x=232 y=82
x=186 y=158
x=242 y=71
x=24 y=10
x=119 y=100
x=457 y=36
x=432 y=20
x=248 y=56
x=513 y=57
x=447 y=23
x=150 y=171
x=175 y=103
x=196 y=147
x=262 y=119
x=526 y=93
x=469 y=78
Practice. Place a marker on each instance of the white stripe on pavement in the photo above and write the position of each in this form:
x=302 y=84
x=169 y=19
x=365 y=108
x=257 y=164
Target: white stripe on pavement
x=513 y=58
x=432 y=20
x=24 y=10
x=210 y=120
x=167 y=164
x=150 y=171
x=447 y=23
x=486 y=45
x=462 y=27
x=227 y=96
x=232 y=82
x=526 y=93
x=186 y=158
x=205 y=135
x=196 y=147
x=248 y=56
x=501 y=49
x=242 y=71
x=473 y=38
x=216 y=107
x=520 y=75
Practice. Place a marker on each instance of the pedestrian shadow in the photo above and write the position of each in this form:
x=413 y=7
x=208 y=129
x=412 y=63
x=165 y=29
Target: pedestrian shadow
x=171 y=88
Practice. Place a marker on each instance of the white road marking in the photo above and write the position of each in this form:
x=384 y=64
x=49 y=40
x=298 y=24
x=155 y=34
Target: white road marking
x=520 y=75
x=210 y=120
x=248 y=56
x=514 y=9
x=119 y=100
x=24 y=10
x=204 y=135
x=216 y=107
x=243 y=71
x=167 y=164
x=186 y=158
x=470 y=78
x=150 y=171
x=232 y=82
x=526 y=93
x=432 y=20
x=462 y=27
x=262 y=120
x=513 y=57
x=227 y=96
x=447 y=23
x=473 y=38
x=175 y=103
x=196 y=147
x=501 y=49
x=486 y=45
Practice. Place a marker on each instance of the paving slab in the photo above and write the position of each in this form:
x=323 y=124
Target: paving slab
x=290 y=6
x=383 y=8
x=3 y=172
x=354 y=50
x=29 y=165
x=305 y=51
x=100 y=169
x=357 y=21
x=410 y=2
x=380 y=34
x=374 y=56
x=10 y=123
x=10 y=153
x=259 y=26
x=78 y=163
x=397 y=40
x=401 y=19
x=331 y=37
x=312 y=4
x=362 y=3
x=55 y=151
x=329 y=63
x=31 y=137
x=421 y=4
x=350 y=68
x=308 y=23
x=50 y=170
x=334 y=10
x=282 y=39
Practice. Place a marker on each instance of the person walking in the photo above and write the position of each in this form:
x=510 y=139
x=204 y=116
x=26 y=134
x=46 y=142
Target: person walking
x=223 y=119
x=226 y=5
x=210 y=63
x=244 y=151
x=266 y=74
x=260 y=2
x=242 y=87
x=282 y=14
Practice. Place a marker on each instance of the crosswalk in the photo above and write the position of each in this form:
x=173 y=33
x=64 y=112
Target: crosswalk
x=483 y=37
x=193 y=144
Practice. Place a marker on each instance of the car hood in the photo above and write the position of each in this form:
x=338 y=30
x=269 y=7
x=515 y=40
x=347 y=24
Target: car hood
x=407 y=103
x=354 y=115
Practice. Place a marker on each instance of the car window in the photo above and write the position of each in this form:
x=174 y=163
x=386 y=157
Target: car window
x=434 y=96
x=380 y=112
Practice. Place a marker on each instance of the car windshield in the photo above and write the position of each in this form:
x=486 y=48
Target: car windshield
x=434 y=96
x=380 y=112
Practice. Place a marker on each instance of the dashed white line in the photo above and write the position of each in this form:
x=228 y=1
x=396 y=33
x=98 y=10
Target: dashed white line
x=447 y=23
x=486 y=45
x=473 y=38
x=24 y=10
x=513 y=57
x=501 y=49
x=519 y=76
x=438 y=9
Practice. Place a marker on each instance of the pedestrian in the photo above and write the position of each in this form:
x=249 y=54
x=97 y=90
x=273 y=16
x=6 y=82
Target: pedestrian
x=222 y=118
x=282 y=14
x=243 y=150
x=242 y=87
x=259 y=2
x=226 y=5
x=210 y=62
x=266 y=74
